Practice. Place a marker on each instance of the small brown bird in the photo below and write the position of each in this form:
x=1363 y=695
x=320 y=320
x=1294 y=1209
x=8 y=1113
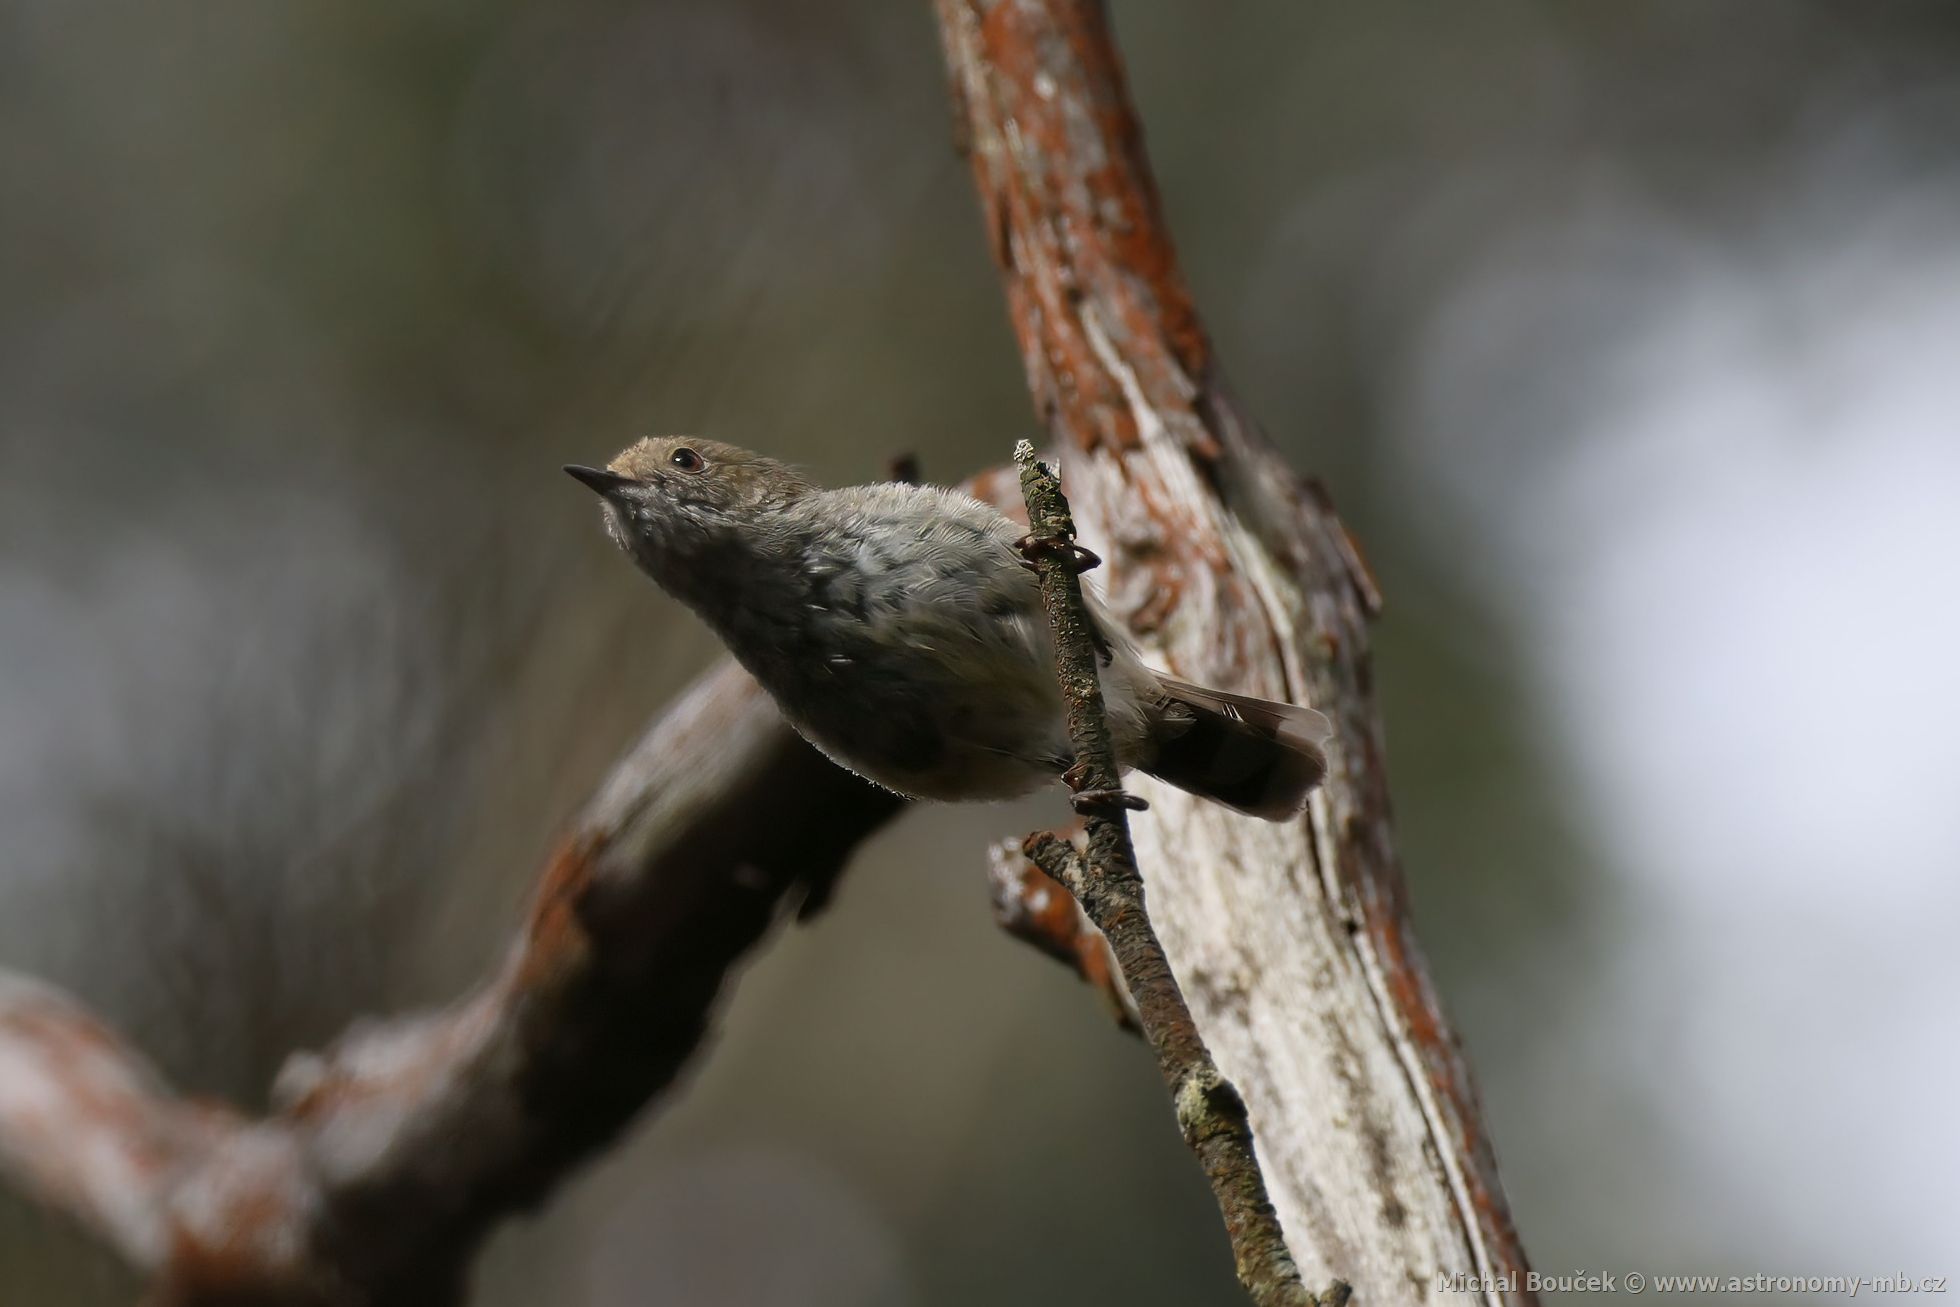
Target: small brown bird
x=899 y=631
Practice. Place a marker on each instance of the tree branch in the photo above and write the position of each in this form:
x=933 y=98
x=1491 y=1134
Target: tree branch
x=1105 y=882
x=388 y=1157
x=1293 y=942
x=86 y=1121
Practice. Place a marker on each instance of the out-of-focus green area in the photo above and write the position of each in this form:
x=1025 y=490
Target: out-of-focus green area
x=307 y=649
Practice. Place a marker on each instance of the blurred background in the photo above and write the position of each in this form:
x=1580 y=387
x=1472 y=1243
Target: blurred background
x=1622 y=334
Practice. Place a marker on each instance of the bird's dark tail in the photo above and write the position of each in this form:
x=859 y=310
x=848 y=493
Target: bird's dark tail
x=1260 y=757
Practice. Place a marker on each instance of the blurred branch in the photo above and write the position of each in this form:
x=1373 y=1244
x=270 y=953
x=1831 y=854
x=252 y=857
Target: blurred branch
x=1104 y=880
x=389 y=1156
x=85 y=1120
x=1292 y=942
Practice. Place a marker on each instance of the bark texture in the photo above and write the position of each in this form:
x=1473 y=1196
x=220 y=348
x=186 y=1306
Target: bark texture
x=1292 y=942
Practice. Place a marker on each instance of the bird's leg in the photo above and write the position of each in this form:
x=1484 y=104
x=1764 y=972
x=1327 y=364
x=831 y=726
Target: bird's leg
x=1034 y=549
x=1105 y=652
x=1104 y=801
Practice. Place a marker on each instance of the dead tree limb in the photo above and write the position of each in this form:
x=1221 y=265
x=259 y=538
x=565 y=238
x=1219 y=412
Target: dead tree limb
x=1293 y=943
x=388 y=1157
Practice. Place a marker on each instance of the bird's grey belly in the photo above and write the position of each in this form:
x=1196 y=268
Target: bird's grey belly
x=905 y=719
x=932 y=709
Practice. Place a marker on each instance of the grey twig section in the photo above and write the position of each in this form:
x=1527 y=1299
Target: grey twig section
x=1105 y=881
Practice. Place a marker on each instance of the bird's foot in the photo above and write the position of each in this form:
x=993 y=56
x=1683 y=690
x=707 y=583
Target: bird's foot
x=1033 y=549
x=1106 y=803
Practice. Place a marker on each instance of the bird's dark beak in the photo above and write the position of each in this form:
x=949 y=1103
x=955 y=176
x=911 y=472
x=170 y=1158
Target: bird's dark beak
x=598 y=479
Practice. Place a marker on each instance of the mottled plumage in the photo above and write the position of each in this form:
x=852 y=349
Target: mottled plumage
x=898 y=630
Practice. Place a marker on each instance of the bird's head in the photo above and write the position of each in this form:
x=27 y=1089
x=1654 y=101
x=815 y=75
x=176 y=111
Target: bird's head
x=673 y=501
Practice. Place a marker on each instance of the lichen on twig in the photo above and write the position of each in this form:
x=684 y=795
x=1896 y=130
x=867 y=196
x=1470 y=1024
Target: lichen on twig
x=1104 y=879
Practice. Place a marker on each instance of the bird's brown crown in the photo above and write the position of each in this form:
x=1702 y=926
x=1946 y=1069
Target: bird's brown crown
x=736 y=474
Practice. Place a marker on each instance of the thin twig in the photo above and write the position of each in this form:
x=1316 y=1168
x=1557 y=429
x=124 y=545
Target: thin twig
x=1105 y=881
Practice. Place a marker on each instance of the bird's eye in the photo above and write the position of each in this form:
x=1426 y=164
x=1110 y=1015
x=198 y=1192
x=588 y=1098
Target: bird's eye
x=687 y=460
